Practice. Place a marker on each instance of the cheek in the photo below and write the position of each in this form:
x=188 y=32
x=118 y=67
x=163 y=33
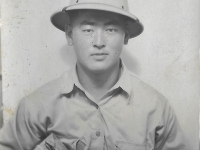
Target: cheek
x=80 y=45
x=116 y=44
x=82 y=49
x=82 y=41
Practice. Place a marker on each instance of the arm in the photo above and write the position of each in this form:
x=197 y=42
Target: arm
x=169 y=136
x=24 y=130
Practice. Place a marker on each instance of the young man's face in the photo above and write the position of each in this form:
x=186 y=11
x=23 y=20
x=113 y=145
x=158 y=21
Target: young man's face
x=98 y=38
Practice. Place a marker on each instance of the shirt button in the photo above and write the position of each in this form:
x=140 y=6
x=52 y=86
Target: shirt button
x=98 y=134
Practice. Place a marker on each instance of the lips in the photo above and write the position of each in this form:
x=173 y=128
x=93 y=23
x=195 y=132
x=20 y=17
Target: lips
x=99 y=54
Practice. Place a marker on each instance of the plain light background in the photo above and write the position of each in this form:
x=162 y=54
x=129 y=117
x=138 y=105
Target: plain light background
x=165 y=55
x=1 y=115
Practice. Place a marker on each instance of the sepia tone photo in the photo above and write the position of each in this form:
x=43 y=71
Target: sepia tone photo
x=100 y=75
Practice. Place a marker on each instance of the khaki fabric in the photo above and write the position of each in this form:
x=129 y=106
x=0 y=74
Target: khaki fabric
x=51 y=143
x=130 y=116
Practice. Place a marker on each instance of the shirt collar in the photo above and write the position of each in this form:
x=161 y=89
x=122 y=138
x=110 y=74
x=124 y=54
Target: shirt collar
x=124 y=81
x=71 y=79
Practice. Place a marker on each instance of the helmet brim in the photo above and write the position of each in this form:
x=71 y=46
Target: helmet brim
x=61 y=18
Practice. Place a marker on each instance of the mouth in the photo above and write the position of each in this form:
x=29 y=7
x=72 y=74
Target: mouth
x=99 y=54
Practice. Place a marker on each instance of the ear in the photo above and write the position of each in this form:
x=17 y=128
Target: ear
x=126 y=38
x=68 y=34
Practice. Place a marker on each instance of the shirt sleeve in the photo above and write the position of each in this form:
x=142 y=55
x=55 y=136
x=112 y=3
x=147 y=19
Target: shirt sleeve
x=169 y=135
x=24 y=131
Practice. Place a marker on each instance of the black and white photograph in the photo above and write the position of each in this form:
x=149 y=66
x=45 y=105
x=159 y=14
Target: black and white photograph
x=99 y=74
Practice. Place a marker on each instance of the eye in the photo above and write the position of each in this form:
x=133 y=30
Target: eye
x=88 y=30
x=111 y=31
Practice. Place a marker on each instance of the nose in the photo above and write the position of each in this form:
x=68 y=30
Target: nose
x=99 y=39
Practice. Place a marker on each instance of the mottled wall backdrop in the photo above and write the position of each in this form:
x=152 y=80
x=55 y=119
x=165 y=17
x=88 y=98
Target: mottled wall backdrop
x=165 y=55
x=1 y=115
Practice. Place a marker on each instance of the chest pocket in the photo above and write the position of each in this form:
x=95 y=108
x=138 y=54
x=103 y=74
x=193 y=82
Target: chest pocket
x=130 y=146
x=51 y=143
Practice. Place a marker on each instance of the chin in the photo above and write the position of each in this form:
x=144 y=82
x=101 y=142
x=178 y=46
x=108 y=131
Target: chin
x=98 y=68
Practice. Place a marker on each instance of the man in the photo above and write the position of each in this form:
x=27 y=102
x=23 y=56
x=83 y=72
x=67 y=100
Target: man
x=98 y=104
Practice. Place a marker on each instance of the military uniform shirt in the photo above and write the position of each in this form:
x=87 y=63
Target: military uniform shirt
x=130 y=116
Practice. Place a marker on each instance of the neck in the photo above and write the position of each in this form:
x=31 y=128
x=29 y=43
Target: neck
x=97 y=84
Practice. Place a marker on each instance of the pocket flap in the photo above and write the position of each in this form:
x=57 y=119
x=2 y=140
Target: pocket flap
x=130 y=146
x=51 y=143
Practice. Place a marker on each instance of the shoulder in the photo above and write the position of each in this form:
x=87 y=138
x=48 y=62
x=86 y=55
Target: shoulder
x=152 y=105
x=148 y=101
x=146 y=94
x=48 y=93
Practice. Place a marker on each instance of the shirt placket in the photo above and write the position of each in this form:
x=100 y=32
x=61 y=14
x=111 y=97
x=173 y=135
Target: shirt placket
x=108 y=143
x=97 y=135
x=100 y=138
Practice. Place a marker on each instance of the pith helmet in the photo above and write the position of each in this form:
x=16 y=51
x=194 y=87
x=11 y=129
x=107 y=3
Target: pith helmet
x=134 y=26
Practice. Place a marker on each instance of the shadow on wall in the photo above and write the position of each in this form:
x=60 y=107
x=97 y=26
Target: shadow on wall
x=131 y=62
x=68 y=56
